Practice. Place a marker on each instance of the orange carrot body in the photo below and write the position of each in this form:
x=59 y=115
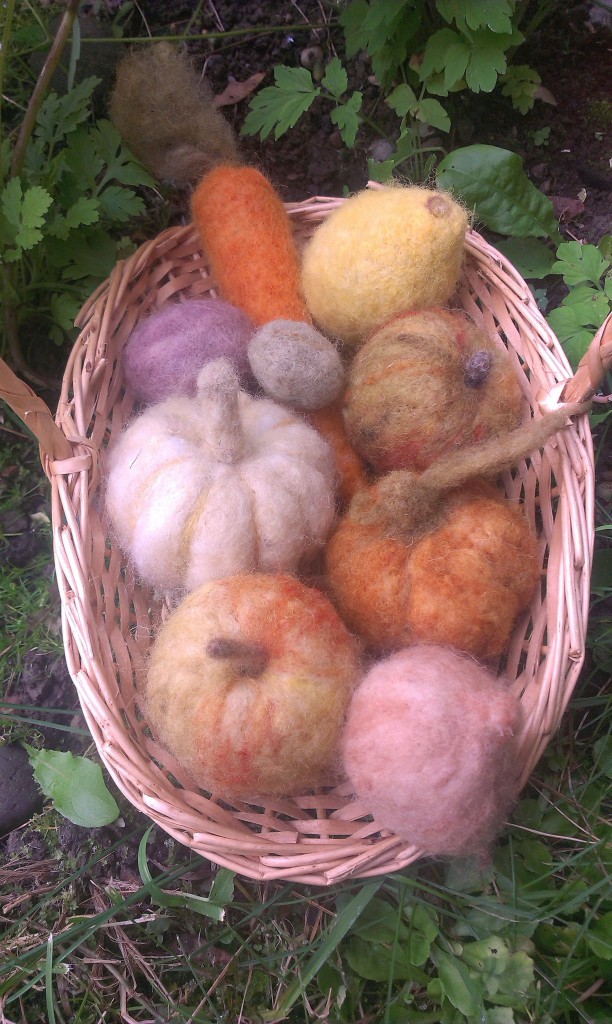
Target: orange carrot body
x=351 y=472
x=248 y=240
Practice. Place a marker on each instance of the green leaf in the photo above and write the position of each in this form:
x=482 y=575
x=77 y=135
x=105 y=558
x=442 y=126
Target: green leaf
x=435 y=54
x=347 y=119
x=352 y=20
x=87 y=253
x=573 y=336
x=463 y=991
x=76 y=786
x=386 y=30
x=86 y=210
x=456 y=62
x=82 y=161
x=493 y=181
x=433 y=113
x=579 y=262
x=521 y=84
x=119 y=204
x=280 y=106
x=487 y=60
x=64 y=309
x=120 y=164
x=401 y=99
x=189 y=901
x=602 y=748
x=377 y=962
x=222 y=889
x=335 y=79
x=59 y=116
x=24 y=212
x=605 y=247
x=532 y=259
x=495 y=15
x=381 y=170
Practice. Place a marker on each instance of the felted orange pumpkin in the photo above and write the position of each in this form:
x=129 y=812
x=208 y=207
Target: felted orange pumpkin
x=425 y=384
x=205 y=487
x=459 y=578
x=248 y=685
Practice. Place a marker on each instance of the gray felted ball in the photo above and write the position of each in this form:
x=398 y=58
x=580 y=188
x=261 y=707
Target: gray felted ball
x=295 y=364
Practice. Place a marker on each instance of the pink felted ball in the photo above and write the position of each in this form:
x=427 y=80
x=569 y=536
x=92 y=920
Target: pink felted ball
x=166 y=351
x=429 y=747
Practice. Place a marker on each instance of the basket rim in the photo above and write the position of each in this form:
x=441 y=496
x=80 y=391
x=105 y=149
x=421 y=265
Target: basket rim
x=73 y=472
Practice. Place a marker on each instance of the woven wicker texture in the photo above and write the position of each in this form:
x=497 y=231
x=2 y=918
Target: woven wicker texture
x=109 y=619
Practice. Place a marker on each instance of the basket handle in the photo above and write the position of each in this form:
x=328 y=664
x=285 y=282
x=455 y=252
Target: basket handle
x=592 y=368
x=35 y=414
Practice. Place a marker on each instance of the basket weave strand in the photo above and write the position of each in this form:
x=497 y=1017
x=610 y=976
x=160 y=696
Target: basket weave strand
x=109 y=619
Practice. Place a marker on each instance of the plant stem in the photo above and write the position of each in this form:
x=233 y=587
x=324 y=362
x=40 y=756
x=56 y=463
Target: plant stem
x=6 y=35
x=29 y=120
x=14 y=349
x=230 y=33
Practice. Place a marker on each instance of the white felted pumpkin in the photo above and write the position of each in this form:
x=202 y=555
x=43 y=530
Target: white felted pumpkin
x=202 y=488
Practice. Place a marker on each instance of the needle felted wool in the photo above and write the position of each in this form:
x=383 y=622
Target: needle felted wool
x=440 y=556
x=247 y=237
x=165 y=352
x=295 y=364
x=425 y=384
x=430 y=746
x=463 y=581
x=248 y=685
x=205 y=487
x=165 y=112
x=350 y=470
x=379 y=254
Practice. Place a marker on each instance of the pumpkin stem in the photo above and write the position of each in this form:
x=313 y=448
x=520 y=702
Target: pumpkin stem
x=409 y=504
x=248 y=659
x=219 y=391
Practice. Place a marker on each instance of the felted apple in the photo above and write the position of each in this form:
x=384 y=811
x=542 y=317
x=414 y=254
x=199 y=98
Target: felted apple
x=248 y=684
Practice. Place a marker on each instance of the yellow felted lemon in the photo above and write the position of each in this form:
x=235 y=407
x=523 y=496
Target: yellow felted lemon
x=379 y=254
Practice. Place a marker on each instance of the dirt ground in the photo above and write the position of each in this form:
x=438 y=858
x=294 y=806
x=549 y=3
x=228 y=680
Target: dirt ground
x=570 y=162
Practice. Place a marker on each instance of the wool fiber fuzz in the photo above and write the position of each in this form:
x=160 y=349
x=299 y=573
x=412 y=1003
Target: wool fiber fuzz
x=167 y=349
x=430 y=749
x=350 y=469
x=165 y=112
x=427 y=384
x=205 y=487
x=248 y=685
x=247 y=236
x=460 y=579
x=379 y=254
x=296 y=365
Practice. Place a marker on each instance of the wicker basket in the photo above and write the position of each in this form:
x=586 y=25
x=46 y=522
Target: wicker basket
x=109 y=620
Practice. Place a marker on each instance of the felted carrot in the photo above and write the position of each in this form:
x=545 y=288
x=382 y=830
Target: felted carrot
x=247 y=237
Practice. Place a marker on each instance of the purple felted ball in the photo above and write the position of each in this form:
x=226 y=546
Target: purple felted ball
x=166 y=351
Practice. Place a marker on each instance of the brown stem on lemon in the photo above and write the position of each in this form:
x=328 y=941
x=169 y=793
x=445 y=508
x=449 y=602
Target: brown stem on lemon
x=248 y=659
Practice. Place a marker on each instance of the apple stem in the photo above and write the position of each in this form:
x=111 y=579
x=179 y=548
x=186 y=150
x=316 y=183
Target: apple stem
x=249 y=659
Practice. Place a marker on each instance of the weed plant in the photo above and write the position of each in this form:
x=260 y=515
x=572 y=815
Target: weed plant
x=119 y=924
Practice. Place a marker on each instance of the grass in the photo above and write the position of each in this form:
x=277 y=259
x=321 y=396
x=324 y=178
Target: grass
x=109 y=925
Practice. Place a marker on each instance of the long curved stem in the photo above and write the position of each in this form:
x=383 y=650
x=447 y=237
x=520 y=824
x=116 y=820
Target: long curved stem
x=27 y=126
